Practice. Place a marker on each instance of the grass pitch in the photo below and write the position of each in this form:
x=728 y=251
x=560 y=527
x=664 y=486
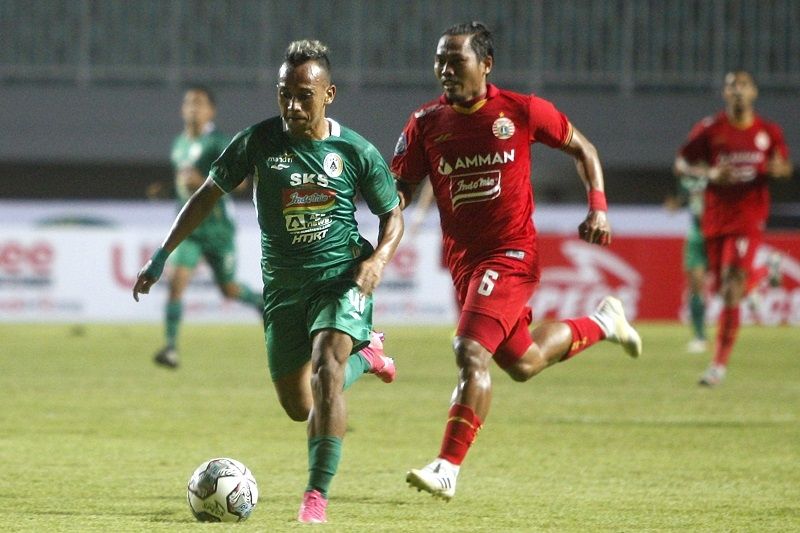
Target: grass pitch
x=94 y=437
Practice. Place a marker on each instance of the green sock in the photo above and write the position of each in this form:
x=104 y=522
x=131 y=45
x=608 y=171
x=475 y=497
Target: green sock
x=323 y=461
x=172 y=321
x=357 y=366
x=250 y=297
x=697 y=309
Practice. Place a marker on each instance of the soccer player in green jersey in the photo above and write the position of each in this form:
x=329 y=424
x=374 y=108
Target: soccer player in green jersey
x=695 y=262
x=319 y=272
x=193 y=152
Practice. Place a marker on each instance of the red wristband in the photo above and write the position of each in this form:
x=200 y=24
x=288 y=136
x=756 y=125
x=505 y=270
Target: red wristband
x=597 y=200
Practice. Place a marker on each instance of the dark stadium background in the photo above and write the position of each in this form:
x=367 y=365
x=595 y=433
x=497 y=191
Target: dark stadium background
x=90 y=89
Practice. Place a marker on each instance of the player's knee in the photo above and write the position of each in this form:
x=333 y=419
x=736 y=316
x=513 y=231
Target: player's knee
x=528 y=365
x=473 y=360
x=520 y=372
x=230 y=290
x=297 y=410
x=327 y=373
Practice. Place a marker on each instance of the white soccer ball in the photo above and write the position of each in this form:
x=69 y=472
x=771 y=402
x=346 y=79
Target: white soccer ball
x=222 y=490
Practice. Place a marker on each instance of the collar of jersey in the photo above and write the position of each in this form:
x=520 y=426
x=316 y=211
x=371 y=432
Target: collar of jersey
x=491 y=92
x=335 y=129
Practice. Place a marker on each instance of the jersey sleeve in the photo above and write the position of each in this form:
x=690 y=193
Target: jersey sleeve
x=548 y=125
x=409 y=162
x=234 y=165
x=779 y=146
x=376 y=183
x=695 y=149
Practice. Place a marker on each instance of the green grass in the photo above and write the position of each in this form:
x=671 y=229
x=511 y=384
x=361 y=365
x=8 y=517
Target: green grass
x=94 y=437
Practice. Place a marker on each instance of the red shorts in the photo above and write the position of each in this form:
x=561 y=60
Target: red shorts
x=494 y=304
x=726 y=251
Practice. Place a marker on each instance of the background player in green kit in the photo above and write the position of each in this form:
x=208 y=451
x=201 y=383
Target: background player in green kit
x=319 y=272
x=193 y=152
x=695 y=262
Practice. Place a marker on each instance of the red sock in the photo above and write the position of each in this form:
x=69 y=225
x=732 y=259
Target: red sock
x=462 y=427
x=585 y=332
x=726 y=335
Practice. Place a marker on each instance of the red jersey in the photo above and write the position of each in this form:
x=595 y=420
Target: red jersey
x=740 y=208
x=479 y=162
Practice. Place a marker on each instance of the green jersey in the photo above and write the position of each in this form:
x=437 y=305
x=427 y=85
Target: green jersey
x=199 y=153
x=693 y=189
x=305 y=196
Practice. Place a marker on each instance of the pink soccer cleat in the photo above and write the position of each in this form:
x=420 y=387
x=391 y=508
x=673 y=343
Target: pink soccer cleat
x=379 y=364
x=312 y=510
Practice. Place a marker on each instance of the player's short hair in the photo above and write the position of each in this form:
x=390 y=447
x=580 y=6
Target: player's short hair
x=737 y=71
x=299 y=52
x=200 y=88
x=481 y=42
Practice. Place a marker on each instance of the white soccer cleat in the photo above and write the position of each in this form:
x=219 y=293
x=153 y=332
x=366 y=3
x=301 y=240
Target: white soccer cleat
x=713 y=376
x=438 y=478
x=696 y=346
x=610 y=316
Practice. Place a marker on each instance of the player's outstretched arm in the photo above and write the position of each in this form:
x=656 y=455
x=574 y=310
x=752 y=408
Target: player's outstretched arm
x=193 y=213
x=369 y=272
x=595 y=228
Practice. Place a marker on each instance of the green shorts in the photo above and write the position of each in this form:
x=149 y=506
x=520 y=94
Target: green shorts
x=219 y=252
x=293 y=315
x=694 y=249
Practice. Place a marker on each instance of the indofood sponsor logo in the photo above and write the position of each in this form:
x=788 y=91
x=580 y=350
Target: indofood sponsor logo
x=475 y=161
x=474 y=187
x=306 y=213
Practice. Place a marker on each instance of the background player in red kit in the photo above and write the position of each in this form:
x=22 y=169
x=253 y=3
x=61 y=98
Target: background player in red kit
x=736 y=151
x=474 y=145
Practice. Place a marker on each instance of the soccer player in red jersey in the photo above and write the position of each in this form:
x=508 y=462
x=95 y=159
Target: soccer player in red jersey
x=473 y=143
x=737 y=151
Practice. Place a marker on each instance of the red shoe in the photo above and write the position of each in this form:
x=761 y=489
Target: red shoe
x=379 y=364
x=312 y=510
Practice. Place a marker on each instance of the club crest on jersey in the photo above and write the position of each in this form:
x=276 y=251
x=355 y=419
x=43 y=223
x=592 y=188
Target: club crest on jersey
x=195 y=150
x=761 y=141
x=503 y=128
x=474 y=187
x=333 y=165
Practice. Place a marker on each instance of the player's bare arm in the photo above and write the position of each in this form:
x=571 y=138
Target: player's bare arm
x=193 y=213
x=721 y=174
x=595 y=228
x=369 y=272
x=406 y=191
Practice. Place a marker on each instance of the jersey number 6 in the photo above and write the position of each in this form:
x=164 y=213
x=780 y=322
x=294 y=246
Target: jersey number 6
x=487 y=283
